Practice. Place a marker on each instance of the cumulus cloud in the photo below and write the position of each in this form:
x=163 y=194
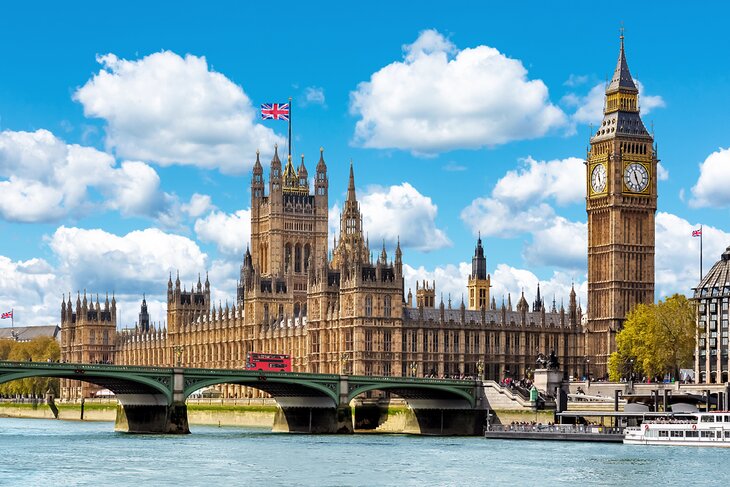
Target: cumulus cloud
x=540 y=180
x=230 y=232
x=136 y=262
x=401 y=211
x=198 y=204
x=563 y=244
x=175 y=110
x=48 y=179
x=713 y=186
x=590 y=106
x=677 y=253
x=440 y=98
x=520 y=203
x=451 y=280
x=33 y=289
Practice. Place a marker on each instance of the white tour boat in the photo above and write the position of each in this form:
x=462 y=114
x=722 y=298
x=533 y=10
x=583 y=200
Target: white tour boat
x=698 y=429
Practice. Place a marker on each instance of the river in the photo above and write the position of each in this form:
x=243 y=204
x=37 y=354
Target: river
x=39 y=453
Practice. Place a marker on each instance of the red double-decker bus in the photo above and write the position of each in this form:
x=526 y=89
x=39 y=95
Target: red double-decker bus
x=268 y=362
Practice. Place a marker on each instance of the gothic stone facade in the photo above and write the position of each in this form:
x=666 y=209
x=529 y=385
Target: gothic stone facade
x=344 y=313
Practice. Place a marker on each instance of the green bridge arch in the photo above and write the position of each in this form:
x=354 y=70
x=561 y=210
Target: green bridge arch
x=319 y=386
x=361 y=385
x=147 y=380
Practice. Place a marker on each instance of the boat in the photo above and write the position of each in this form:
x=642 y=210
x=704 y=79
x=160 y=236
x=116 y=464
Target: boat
x=697 y=429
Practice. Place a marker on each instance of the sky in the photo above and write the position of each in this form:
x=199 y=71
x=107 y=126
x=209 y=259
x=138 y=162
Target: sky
x=128 y=132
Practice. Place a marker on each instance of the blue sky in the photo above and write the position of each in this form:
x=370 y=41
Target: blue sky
x=127 y=135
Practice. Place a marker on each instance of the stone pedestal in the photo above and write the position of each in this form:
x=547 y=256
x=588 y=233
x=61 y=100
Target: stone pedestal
x=546 y=380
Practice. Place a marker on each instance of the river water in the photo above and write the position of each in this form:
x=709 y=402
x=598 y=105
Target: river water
x=37 y=452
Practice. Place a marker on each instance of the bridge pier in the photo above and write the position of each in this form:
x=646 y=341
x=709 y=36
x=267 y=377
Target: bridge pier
x=312 y=415
x=152 y=419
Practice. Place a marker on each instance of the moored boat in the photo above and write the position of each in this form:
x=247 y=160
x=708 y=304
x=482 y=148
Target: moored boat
x=698 y=429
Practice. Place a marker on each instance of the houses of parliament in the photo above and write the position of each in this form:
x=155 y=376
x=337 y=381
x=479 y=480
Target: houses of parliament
x=343 y=311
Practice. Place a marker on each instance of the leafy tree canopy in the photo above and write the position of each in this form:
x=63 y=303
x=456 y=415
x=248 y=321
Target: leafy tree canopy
x=656 y=339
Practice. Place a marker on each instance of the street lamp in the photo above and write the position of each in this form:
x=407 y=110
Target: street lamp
x=588 y=369
x=480 y=369
x=344 y=359
x=178 y=355
x=414 y=369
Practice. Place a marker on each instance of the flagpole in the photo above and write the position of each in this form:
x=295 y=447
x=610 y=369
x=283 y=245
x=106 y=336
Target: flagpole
x=290 y=110
x=701 y=236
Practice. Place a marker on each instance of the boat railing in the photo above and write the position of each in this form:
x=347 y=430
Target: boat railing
x=554 y=428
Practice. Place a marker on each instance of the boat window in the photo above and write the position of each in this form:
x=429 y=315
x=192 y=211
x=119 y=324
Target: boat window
x=727 y=434
x=691 y=434
x=663 y=433
x=708 y=434
x=727 y=419
x=677 y=434
x=707 y=419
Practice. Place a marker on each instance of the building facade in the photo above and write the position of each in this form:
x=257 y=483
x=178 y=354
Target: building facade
x=344 y=312
x=712 y=296
x=88 y=335
x=622 y=200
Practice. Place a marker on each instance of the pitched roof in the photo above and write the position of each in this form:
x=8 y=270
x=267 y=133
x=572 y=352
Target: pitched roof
x=26 y=333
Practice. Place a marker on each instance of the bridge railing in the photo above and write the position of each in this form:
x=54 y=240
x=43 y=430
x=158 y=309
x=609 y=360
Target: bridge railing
x=77 y=366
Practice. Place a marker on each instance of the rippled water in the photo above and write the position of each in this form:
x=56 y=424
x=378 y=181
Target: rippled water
x=55 y=453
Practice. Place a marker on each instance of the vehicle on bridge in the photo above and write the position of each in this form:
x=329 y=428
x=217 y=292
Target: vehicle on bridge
x=268 y=362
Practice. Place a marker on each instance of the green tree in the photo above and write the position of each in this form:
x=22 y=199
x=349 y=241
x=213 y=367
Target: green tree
x=656 y=339
x=38 y=350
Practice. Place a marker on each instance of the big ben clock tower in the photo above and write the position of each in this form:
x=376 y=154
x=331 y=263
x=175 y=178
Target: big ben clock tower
x=622 y=199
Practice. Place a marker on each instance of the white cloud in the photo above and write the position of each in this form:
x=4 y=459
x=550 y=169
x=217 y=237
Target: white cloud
x=677 y=253
x=48 y=179
x=559 y=180
x=199 y=204
x=314 y=95
x=590 y=106
x=401 y=211
x=506 y=280
x=440 y=98
x=32 y=289
x=450 y=280
x=519 y=204
x=133 y=263
x=230 y=232
x=713 y=185
x=662 y=172
x=563 y=244
x=174 y=110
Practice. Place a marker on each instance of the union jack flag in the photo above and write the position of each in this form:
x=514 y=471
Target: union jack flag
x=697 y=233
x=275 y=111
x=4 y=316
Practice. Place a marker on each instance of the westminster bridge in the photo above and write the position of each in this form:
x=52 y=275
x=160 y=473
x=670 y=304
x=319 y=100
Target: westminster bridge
x=152 y=399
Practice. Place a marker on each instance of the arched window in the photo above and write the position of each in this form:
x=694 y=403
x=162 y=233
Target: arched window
x=266 y=314
x=297 y=309
x=387 y=306
x=298 y=258
x=368 y=305
x=307 y=253
x=287 y=257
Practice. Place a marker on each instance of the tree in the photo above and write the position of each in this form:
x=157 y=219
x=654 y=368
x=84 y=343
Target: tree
x=39 y=350
x=656 y=339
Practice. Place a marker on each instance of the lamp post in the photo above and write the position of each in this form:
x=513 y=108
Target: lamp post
x=414 y=368
x=178 y=355
x=344 y=359
x=480 y=369
x=588 y=369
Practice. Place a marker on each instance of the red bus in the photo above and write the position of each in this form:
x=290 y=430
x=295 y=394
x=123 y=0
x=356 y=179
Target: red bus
x=268 y=362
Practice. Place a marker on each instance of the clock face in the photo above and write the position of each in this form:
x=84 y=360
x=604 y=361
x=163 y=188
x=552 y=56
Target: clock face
x=636 y=177
x=598 y=178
